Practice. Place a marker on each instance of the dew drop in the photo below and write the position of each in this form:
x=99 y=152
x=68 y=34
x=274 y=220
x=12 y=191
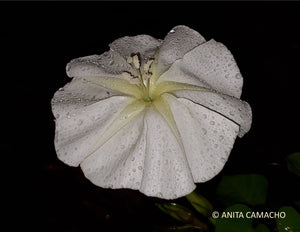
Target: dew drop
x=223 y=160
x=140 y=167
x=238 y=76
x=172 y=31
x=212 y=123
x=111 y=62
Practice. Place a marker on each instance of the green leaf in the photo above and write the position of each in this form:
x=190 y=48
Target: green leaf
x=200 y=203
x=234 y=219
x=293 y=163
x=291 y=222
x=250 y=189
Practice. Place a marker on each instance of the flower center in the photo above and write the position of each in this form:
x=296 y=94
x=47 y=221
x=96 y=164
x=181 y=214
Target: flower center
x=143 y=77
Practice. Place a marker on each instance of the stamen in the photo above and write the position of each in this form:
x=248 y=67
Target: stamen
x=129 y=60
x=147 y=65
x=132 y=79
x=136 y=61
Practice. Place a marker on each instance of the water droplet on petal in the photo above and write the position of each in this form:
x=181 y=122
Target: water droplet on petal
x=212 y=123
x=238 y=76
x=172 y=31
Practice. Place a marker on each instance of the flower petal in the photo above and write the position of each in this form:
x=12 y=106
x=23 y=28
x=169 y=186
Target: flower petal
x=144 y=155
x=115 y=84
x=108 y=63
x=230 y=107
x=76 y=95
x=119 y=162
x=78 y=129
x=131 y=111
x=208 y=65
x=166 y=171
x=144 y=45
x=207 y=137
x=179 y=41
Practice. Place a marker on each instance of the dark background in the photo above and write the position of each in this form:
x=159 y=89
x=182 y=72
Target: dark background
x=38 y=39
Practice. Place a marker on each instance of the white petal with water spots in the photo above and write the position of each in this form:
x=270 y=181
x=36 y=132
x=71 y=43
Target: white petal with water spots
x=166 y=171
x=230 y=107
x=144 y=45
x=209 y=65
x=180 y=40
x=119 y=163
x=78 y=131
x=207 y=137
x=108 y=63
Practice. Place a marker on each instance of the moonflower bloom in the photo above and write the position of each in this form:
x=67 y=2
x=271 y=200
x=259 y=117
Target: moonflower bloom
x=153 y=115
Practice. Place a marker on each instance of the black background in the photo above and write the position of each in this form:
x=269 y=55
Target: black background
x=39 y=39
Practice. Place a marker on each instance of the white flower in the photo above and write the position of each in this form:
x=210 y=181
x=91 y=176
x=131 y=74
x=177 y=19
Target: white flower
x=153 y=115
